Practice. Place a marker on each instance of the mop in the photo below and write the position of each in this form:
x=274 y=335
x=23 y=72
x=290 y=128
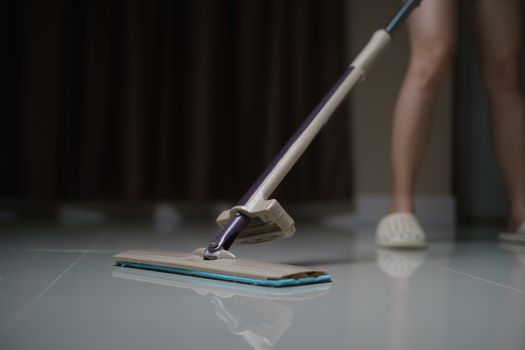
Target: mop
x=256 y=218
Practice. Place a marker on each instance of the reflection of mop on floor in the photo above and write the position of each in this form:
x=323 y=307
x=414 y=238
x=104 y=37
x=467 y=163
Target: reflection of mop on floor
x=399 y=264
x=249 y=311
x=260 y=322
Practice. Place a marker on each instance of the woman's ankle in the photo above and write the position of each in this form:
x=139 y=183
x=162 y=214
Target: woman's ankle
x=516 y=216
x=405 y=205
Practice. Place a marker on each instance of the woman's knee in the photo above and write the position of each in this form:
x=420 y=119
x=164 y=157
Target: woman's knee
x=429 y=65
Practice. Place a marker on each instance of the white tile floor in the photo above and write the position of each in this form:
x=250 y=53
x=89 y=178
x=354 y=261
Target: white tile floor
x=60 y=290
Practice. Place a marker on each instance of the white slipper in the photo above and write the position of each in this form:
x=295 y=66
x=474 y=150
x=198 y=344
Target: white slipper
x=514 y=237
x=400 y=230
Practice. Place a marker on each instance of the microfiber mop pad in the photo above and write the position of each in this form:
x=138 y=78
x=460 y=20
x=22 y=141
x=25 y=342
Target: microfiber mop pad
x=227 y=268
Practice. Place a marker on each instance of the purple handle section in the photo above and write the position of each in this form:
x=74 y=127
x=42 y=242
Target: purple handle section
x=229 y=234
x=295 y=136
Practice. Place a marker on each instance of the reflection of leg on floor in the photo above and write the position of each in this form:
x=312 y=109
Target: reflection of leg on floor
x=508 y=317
x=399 y=264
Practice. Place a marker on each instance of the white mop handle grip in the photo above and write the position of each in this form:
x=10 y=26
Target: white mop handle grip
x=379 y=41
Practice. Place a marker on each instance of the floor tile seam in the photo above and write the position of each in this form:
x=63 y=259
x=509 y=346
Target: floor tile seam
x=478 y=278
x=89 y=248
x=19 y=315
x=75 y=251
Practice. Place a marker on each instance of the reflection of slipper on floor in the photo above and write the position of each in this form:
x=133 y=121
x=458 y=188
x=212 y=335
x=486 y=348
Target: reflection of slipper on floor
x=400 y=230
x=517 y=250
x=399 y=264
x=514 y=237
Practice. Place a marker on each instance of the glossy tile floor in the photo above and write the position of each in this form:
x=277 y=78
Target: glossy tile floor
x=60 y=290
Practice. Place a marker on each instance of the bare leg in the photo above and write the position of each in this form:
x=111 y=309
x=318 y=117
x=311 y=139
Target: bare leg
x=497 y=25
x=432 y=29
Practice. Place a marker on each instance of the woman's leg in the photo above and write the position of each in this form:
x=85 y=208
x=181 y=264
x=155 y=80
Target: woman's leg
x=432 y=31
x=497 y=25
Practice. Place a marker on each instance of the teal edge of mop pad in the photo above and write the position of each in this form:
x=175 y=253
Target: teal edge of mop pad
x=230 y=278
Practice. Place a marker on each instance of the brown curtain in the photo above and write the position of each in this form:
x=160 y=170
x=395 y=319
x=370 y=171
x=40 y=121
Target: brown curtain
x=168 y=99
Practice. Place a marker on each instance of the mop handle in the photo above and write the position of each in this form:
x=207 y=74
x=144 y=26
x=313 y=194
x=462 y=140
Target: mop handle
x=400 y=16
x=301 y=139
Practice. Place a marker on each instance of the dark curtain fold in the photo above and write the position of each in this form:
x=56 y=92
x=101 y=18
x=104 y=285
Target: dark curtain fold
x=170 y=99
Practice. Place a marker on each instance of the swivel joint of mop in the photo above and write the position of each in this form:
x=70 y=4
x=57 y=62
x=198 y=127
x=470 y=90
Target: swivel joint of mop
x=264 y=221
x=269 y=221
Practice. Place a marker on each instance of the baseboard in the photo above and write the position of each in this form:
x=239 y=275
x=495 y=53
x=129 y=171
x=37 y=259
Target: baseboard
x=437 y=213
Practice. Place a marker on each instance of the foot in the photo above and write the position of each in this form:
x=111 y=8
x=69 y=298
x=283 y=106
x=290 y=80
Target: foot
x=516 y=218
x=515 y=226
x=516 y=236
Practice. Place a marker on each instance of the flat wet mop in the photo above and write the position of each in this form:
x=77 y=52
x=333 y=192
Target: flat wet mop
x=256 y=218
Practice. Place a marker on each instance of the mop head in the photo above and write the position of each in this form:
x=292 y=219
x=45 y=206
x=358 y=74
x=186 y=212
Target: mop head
x=227 y=268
